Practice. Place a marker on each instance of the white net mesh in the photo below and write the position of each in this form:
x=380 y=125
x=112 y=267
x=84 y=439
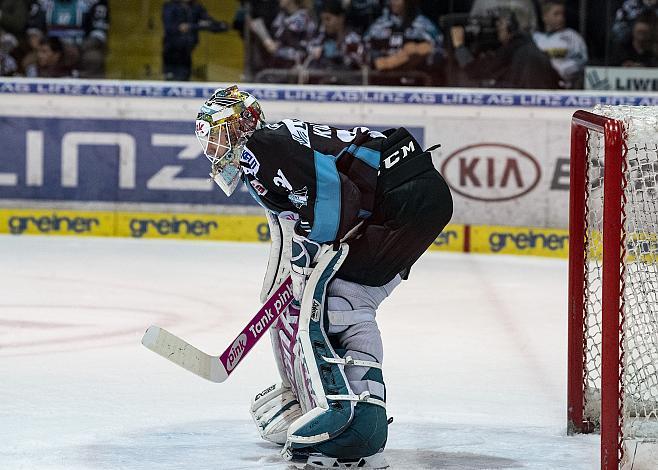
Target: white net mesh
x=639 y=329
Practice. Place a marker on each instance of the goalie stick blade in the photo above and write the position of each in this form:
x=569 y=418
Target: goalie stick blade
x=218 y=368
x=171 y=347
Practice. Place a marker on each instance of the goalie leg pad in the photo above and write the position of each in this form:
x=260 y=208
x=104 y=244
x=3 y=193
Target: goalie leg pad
x=336 y=421
x=284 y=336
x=315 y=377
x=273 y=410
x=278 y=268
x=281 y=228
x=353 y=329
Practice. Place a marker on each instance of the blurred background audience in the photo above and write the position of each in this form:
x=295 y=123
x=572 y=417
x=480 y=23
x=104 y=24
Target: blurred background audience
x=514 y=62
x=182 y=20
x=8 y=65
x=525 y=11
x=477 y=43
x=81 y=26
x=565 y=46
x=284 y=44
x=626 y=16
x=362 y=13
x=49 y=60
x=401 y=43
x=336 y=53
x=638 y=50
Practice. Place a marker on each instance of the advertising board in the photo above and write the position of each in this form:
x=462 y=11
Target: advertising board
x=130 y=146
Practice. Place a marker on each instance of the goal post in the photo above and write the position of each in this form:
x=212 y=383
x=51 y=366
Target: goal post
x=613 y=282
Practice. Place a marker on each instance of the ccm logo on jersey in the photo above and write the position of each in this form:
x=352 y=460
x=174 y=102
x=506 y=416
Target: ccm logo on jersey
x=395 y=157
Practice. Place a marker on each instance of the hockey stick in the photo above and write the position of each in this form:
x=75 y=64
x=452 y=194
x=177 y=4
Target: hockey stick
x=218 y=368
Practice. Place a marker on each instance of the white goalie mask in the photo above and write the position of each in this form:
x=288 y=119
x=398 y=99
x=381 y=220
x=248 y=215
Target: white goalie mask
x=223 y=125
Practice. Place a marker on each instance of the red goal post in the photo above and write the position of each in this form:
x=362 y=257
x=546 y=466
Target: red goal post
x=613 y=259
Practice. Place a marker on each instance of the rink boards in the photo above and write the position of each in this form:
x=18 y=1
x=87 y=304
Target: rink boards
x=254 y=228
x=116 y=158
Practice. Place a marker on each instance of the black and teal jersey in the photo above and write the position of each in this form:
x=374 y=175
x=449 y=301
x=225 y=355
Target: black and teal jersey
x=326 y=175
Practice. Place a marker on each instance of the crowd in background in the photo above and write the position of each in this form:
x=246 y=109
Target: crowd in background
x=182 y=21
x=493 y=43
x=53 y=38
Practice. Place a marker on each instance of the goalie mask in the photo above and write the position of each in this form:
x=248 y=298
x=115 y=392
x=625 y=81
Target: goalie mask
x=223 y=125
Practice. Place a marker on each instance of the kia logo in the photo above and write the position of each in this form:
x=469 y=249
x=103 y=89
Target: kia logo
x=491 y=172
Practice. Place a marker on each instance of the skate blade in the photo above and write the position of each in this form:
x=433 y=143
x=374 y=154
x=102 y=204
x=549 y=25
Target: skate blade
x=374 y=462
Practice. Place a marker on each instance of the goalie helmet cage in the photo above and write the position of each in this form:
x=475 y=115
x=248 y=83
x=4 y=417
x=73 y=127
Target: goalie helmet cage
x=613 y=283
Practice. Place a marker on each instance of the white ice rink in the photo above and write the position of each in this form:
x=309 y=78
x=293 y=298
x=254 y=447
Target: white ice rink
x=475 y=359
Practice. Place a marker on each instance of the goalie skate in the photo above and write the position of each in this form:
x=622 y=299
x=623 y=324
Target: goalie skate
x=319 y=461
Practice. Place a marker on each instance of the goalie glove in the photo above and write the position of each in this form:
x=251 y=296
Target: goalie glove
x=305 y=255
x=273 y=410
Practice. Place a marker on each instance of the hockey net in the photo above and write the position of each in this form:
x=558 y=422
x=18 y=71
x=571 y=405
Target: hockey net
x=613 y=286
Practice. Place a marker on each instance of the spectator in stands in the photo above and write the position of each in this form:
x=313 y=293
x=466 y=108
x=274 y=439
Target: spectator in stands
x=253 y=9
x=403 y=40
x=362 y=13
x=14 y=15
x=250 y=10
x=639 y=51
x=517 y=63
x=8 y=65
x=625 y=18
x=182 y=20
x=262 y=13
x=50 y=60
x=524 y=10
x=81 y=25
x=565 y=47
x=435 y=9
x=335 y=48
x=287 y=40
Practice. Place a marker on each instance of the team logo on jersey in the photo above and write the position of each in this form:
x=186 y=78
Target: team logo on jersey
x=299 y=197
x=249 y=162
x=258 y=187
x=299 y=131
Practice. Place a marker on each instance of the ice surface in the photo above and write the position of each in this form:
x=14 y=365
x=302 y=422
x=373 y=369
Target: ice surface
x=475 y=359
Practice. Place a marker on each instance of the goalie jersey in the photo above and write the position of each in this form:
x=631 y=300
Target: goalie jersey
x=326 y=175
